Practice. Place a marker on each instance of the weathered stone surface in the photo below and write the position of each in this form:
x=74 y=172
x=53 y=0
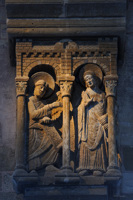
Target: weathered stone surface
x=7 y=156
x=0 y=182
x=72 y=192
x=10 y=196
x=127 y=155
x=34 y=10
x=7 y=185
x=95 y=9
x=127 y=183
x=3 y=31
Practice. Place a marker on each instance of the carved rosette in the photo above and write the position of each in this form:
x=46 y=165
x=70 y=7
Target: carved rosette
x=66 y=88
x=110 y=87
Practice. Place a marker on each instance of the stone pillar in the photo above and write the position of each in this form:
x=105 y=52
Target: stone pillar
x=20 y=176
x=21 y=85
x=66 y=87
x=113 y=169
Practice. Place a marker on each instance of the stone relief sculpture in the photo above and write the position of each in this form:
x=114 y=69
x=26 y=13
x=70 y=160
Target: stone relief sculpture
x=44 y=140
x=92 y=124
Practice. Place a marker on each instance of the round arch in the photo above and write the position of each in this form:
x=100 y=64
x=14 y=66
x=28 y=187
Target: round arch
x=43 y=62
x=103 y=66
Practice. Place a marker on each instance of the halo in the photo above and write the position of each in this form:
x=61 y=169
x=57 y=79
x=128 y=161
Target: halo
x=93 y=68
x=47 y=78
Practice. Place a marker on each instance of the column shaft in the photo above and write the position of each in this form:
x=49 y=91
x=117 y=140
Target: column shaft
x=111 y=132
x=66 y=132
x=20 y=132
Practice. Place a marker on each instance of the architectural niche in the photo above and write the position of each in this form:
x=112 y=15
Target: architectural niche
x=66 y=132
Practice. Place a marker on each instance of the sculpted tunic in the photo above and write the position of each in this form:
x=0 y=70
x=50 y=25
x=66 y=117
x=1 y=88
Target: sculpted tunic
x=41 y=150
x=92 y=123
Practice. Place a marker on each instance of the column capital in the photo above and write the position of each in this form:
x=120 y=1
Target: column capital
x=66 y=83
x=110 y=87
x=21 y=85
x=66 y=88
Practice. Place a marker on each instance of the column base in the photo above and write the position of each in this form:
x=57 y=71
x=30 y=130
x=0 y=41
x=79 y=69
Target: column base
x=23 y=179
x=113 y=171
x=67 y=177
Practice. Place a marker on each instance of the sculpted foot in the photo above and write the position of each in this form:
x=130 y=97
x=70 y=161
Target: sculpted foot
x=97 y=173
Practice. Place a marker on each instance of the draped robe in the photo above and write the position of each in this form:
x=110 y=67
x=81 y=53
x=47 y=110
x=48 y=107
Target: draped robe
x=92 y=130
x=42 y=150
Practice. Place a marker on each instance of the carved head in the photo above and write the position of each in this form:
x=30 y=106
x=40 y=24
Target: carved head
x=40 y=88
x=91 y=75
x=90 y=80
x=43 y=84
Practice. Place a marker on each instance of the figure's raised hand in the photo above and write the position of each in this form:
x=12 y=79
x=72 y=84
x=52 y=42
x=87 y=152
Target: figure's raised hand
x=46 y=120
x=56 y=104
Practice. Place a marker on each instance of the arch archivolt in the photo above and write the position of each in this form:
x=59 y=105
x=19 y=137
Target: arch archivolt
x=103 y=66
x=41 y=62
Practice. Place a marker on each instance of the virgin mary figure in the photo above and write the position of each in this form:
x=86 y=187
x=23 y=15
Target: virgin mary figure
x=92 y=124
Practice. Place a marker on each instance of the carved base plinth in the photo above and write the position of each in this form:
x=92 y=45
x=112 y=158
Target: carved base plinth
x=113 y=172
x=67 y=177
x=22 y=179
x=65 y=193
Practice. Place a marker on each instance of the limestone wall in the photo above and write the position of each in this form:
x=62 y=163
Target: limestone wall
x=7 y=114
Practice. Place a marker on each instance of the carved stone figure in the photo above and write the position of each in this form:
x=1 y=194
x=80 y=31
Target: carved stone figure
x=92 y=125
x=44 y=140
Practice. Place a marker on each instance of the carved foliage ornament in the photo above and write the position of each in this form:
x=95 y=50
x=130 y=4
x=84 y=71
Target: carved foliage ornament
x=21 y=87
x=66 y=88
x=110 y=86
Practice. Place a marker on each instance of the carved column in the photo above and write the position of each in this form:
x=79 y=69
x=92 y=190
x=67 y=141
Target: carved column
x=21 y=85
x=113 y=169
x=66 y=93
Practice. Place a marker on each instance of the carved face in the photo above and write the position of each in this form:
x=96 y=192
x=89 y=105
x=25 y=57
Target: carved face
x=40 y=90
x=90 y=81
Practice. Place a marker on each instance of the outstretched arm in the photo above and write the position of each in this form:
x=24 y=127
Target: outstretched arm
x=41 y=112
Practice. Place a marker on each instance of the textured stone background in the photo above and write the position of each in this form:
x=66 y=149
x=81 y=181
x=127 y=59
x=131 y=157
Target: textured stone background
x=8 y=112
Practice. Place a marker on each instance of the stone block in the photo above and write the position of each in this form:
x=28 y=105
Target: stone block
x=0 y=182
x=130 y=17
x=7 y=184
x=127 y=183
x=10 y=196
x=2 y=14
x=3 y=31
x=95 y=10
x=34 y=10
x=65 y=193
x=2 y=2
x=127 y=155
x=7 y=158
